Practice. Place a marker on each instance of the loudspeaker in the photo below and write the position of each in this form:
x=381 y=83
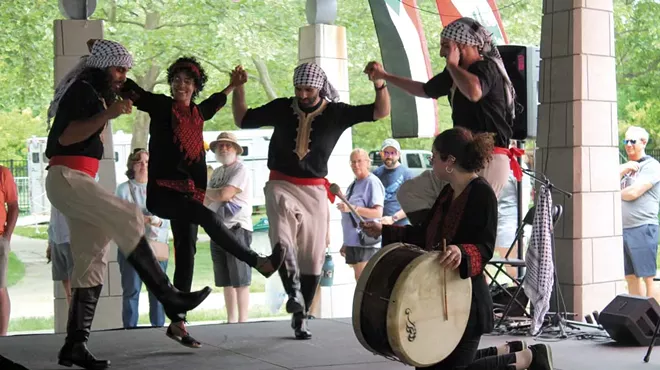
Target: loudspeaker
x=522 y=64
x=631 y=320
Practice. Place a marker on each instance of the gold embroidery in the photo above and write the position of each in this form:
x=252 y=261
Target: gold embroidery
x=305 y=127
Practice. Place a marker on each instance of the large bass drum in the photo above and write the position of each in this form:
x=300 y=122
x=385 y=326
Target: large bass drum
x=399 y=306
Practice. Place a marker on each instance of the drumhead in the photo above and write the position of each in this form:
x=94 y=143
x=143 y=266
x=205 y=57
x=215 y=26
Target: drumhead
x=358 y=295
x=416 y=327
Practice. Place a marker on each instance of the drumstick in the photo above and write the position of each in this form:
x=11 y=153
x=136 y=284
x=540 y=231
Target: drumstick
x=336 y=190
x=444 y=281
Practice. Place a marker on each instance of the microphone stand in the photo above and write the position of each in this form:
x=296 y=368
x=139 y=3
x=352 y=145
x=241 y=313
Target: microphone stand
x=559 y=317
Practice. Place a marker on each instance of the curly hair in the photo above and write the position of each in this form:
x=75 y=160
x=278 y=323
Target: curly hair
x=472 y=151
x=132 y=159
x=191 y=67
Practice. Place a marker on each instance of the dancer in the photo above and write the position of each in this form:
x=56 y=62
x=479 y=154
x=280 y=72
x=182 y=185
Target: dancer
x=465 y=216
x=84 y=102
x=480 y=93
x=178 y=177
x=306 y=129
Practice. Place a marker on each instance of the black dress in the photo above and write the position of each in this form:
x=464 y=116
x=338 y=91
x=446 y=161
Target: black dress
x=469 y=222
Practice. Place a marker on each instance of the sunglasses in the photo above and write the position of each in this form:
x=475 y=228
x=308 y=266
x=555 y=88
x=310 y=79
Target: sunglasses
x=629 y=141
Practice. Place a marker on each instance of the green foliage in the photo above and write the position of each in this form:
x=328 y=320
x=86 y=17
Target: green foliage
x=15 y=128
x=15 y=270
x=264 y=33
x=33 y=232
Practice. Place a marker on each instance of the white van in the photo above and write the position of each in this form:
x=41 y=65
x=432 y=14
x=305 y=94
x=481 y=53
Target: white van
x=416 y=160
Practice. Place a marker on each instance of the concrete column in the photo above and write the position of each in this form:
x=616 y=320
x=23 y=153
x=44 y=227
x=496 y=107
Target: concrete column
x=325 y=45
x=578 y=148
x=71 y=38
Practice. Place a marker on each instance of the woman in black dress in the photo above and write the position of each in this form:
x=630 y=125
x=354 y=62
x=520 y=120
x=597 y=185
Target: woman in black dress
x=178 y=176
x=465 y=215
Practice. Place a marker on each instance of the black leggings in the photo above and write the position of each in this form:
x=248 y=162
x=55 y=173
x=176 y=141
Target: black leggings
x=185 y=213
x=467 y=356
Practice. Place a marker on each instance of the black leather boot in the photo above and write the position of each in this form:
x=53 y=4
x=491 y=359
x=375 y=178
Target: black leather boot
x=175 y=303
x=81 y=315
x=291 y=284
x=308 y=285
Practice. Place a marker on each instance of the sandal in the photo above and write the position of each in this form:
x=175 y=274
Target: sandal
x=185 y=340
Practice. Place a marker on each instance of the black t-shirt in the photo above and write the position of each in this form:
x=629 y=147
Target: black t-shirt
x=326 y=129
x=489 y=114
x=80 y=102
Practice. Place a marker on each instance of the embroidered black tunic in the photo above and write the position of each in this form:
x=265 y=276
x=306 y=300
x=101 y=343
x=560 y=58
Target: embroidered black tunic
x=176 y=146
x=303 y=150
x=470 y=222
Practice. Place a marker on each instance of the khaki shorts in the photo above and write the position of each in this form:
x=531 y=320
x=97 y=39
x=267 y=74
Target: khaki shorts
x=4 y=261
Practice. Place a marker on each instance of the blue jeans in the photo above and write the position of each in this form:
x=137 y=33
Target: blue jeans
x=131 y=285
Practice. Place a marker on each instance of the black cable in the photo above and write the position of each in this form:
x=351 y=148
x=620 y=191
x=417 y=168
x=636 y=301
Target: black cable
x=499 y=9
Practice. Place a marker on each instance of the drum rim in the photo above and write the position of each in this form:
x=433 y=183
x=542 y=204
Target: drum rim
x=359 y=288
x=393 y=338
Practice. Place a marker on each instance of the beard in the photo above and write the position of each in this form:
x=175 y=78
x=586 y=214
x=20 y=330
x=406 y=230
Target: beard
x=225 y=158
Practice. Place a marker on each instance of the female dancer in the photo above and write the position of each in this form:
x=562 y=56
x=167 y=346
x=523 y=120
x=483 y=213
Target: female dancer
x=177 y=174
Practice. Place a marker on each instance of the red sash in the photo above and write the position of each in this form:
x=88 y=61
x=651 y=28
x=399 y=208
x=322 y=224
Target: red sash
x=275 y=175
x=87 y=165
x=513 y=162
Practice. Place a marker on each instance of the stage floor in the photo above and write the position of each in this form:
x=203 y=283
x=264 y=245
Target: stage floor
x=269 y=345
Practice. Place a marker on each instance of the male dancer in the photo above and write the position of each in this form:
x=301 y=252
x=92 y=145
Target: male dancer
x=307 y=129
x=85 y=100
x=479 y=91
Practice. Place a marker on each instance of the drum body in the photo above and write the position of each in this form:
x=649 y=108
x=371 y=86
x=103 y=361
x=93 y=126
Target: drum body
x=399 y=306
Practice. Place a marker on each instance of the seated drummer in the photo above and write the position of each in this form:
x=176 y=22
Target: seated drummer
x=465 y=215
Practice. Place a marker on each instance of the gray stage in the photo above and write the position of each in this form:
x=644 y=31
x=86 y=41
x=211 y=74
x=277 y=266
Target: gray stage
x=268 y=345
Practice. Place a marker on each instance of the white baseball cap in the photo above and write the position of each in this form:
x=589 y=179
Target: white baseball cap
x=391 y=142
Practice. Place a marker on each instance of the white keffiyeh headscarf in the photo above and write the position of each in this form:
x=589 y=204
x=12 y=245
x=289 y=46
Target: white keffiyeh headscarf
x=105 y=53
x=310 y=74
x=467 y=31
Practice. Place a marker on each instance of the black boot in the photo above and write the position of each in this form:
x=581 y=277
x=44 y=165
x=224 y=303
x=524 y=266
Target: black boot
x=291 y=284
x=81 y=315
x=175 y=303
x=308 y=285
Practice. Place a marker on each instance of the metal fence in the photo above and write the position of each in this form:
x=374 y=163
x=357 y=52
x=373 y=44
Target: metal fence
x=19 y=169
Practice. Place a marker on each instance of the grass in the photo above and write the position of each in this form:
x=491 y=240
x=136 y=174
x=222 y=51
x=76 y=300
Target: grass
x=46 y=323
x=16 y=270
x=203 y=273
x=32 y=231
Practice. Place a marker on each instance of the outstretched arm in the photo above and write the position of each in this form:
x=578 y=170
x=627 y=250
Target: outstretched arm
x=376 y=71
x=382 y=104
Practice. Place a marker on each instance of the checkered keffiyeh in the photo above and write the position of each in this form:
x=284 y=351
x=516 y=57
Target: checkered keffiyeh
x=105 y=53
x=467 y=31
x=310 y=74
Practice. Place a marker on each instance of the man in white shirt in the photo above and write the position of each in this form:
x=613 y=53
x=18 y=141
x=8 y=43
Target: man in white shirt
x=228 y=194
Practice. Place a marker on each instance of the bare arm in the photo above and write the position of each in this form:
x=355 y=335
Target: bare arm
x=412 y=87
x=372 y=212
x=382 y=104
x=223 y=194
x=238 y=105
x=468 y=83
x=81 y=130
x=635 y=191
x=12 y=217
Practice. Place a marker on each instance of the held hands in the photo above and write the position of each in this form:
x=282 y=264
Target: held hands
x=373 y=229
x=120 y=107
x=451 y=258
x=376 y=73
x=238 y=77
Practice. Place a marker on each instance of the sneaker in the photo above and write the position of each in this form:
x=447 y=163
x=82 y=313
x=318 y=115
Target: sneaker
x=541 y=357
x=517 y=346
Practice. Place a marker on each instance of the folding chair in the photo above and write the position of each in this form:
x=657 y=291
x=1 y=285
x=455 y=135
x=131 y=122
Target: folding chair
x=557 y=211
x=500 y=263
